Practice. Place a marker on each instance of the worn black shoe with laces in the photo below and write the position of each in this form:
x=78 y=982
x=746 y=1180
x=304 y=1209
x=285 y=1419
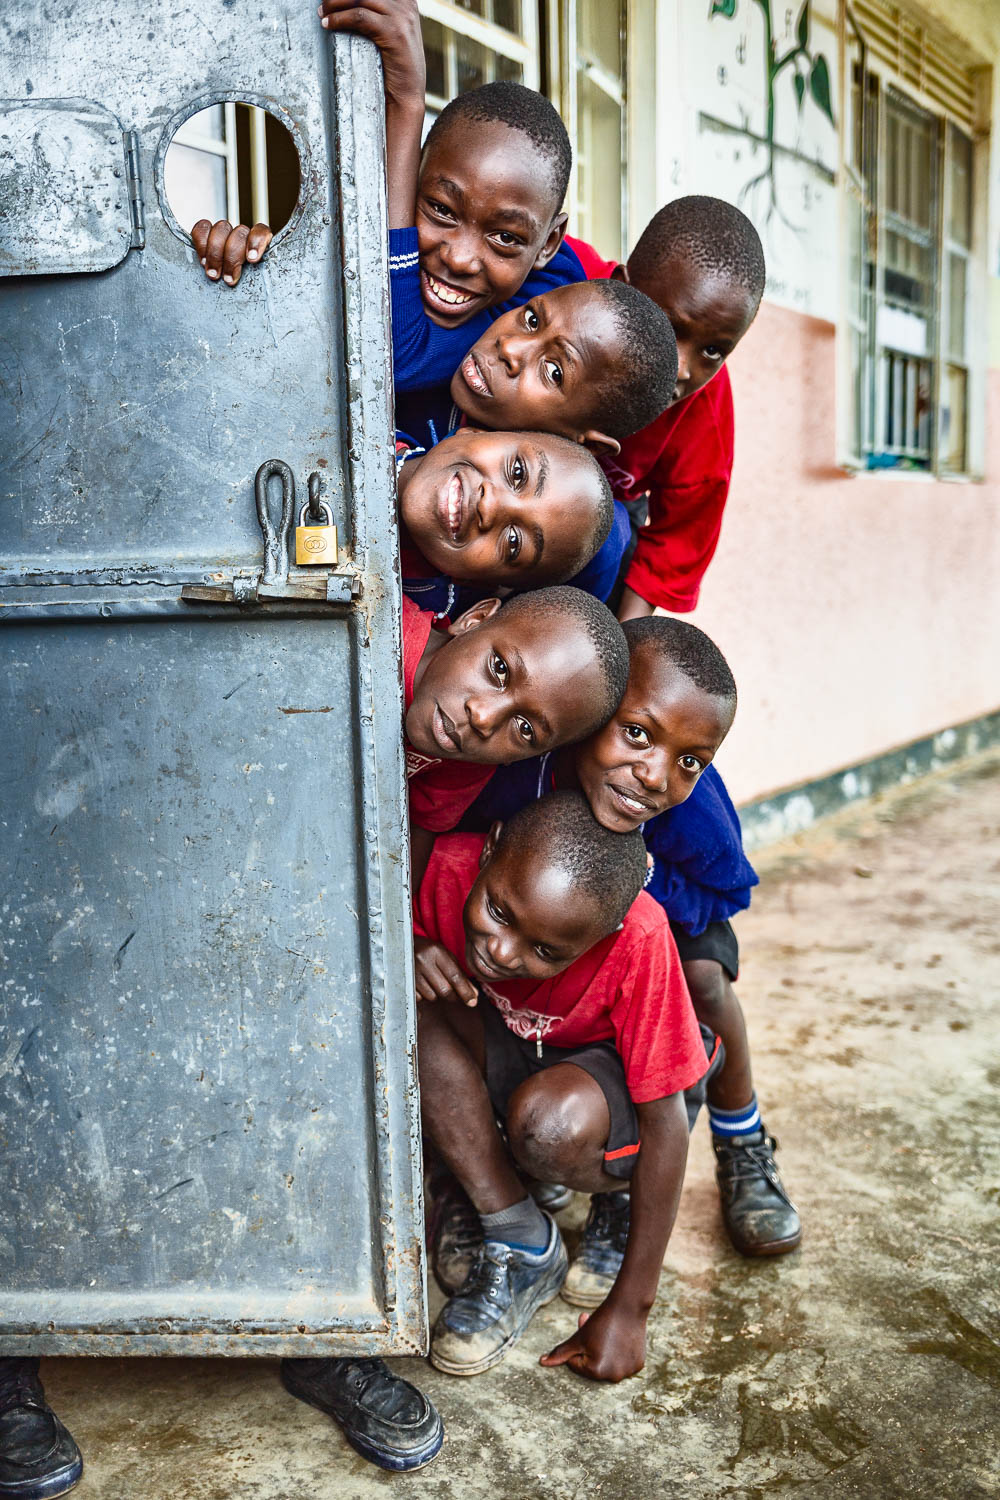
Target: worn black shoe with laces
x=759 y=1216
x=456 y=1236
x=38 y=1458
x=601 y=1252
x=505 y=1288
x=384 y=1417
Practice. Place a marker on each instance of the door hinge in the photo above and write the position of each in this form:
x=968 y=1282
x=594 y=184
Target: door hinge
x=134 y=184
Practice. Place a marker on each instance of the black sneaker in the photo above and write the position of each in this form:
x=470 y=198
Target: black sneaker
x=456 y=1237
x=601 y=1252
x=38 y=1458
x=552 y=1196
x=759 y=1216
x=383 y=1416
x=506 y=1287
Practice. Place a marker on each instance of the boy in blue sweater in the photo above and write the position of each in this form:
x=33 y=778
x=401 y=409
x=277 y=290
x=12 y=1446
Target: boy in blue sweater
x=476 y=217
x=470 y=226
x=640 y=771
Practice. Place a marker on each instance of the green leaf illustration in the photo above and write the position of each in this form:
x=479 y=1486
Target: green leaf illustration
x=819 y=85
x=725 y=8
x=800 y=90
x=802 y=25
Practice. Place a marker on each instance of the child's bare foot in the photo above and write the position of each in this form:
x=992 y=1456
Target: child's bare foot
x=224 y=250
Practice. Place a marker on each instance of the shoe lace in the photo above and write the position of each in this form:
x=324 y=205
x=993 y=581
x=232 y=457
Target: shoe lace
x=747 y=1162
x=462 y=1224
x=488 y=1275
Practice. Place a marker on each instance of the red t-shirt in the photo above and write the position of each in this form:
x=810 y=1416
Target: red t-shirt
x=684 y=459
x=628 y=989
x=440 y=790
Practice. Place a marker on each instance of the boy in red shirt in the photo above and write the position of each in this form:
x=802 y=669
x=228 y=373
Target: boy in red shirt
x=584 y=1042
x=701 y=261
x=500 y=684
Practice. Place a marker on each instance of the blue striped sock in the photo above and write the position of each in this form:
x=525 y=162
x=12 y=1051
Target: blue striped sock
x=729 y=1122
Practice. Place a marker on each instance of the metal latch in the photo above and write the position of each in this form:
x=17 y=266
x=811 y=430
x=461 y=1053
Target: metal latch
x=339 y=585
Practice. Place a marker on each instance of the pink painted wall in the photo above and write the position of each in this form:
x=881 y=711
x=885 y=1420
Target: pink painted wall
x=857 y=611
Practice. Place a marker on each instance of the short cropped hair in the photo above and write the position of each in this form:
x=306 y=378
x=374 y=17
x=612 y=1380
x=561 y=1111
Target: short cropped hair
x=690 y=649
x=591 y=538
x=713 y=234
x=605 y=633
x=522 y=109
x=610 y=867
x=643 y=384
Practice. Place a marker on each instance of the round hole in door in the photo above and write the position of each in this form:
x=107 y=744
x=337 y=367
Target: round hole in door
x=234 y=160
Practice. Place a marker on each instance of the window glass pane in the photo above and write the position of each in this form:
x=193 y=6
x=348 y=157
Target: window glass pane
x=599 y=166
x=952 y=423
x=207 y=122
x=599 y=33
x=509 y=70
x=195 y=184
x=960 y=207
x=909 y=178
x=507 y=13
x=957 y=281
x=473 y=63
x=434 y=52
x=909 y=269
x=477 y=7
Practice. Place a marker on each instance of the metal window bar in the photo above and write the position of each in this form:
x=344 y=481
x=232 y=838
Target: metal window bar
x=905 y=381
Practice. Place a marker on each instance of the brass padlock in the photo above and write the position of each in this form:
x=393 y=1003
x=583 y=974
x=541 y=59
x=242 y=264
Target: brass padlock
x=316 y=544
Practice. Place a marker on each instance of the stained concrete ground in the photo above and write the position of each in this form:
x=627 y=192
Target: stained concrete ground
x=865 y=1364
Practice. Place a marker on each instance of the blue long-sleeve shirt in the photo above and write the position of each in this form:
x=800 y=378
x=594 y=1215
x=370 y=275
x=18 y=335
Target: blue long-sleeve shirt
x=699 y=874
x=424 y=354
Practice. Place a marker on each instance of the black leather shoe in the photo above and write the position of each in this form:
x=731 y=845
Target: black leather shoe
x=38 y=1458
x=456 y=1236
x=383 y=1416
x=759 y=1216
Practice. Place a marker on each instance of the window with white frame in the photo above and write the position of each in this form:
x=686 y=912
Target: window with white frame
x=232 y=161
x=476 y=42
x=574 y=50
x=908 y=179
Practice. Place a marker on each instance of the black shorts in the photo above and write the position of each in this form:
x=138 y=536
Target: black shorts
x=717 y=942
x=510 y=1060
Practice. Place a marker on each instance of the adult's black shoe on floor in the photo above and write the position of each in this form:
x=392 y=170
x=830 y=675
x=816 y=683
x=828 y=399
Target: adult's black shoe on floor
x=38 y=1458
x=384 y=1417
x=759 y=1216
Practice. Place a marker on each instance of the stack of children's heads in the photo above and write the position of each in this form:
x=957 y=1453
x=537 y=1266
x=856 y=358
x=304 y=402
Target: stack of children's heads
x=529 y=373
x=556 y=377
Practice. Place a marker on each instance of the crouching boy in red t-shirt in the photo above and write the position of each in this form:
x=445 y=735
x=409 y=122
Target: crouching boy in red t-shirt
x=583 y=1043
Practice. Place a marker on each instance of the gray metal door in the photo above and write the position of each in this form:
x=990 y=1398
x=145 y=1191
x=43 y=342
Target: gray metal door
x=208 y=1113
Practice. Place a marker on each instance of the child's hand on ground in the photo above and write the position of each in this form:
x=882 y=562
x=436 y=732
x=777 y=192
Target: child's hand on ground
x=438 y=976
x=224 y=250
x=394 y=27
x=609 y=1344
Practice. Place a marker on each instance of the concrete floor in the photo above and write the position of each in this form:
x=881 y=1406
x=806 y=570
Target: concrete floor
x=866 y=1364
